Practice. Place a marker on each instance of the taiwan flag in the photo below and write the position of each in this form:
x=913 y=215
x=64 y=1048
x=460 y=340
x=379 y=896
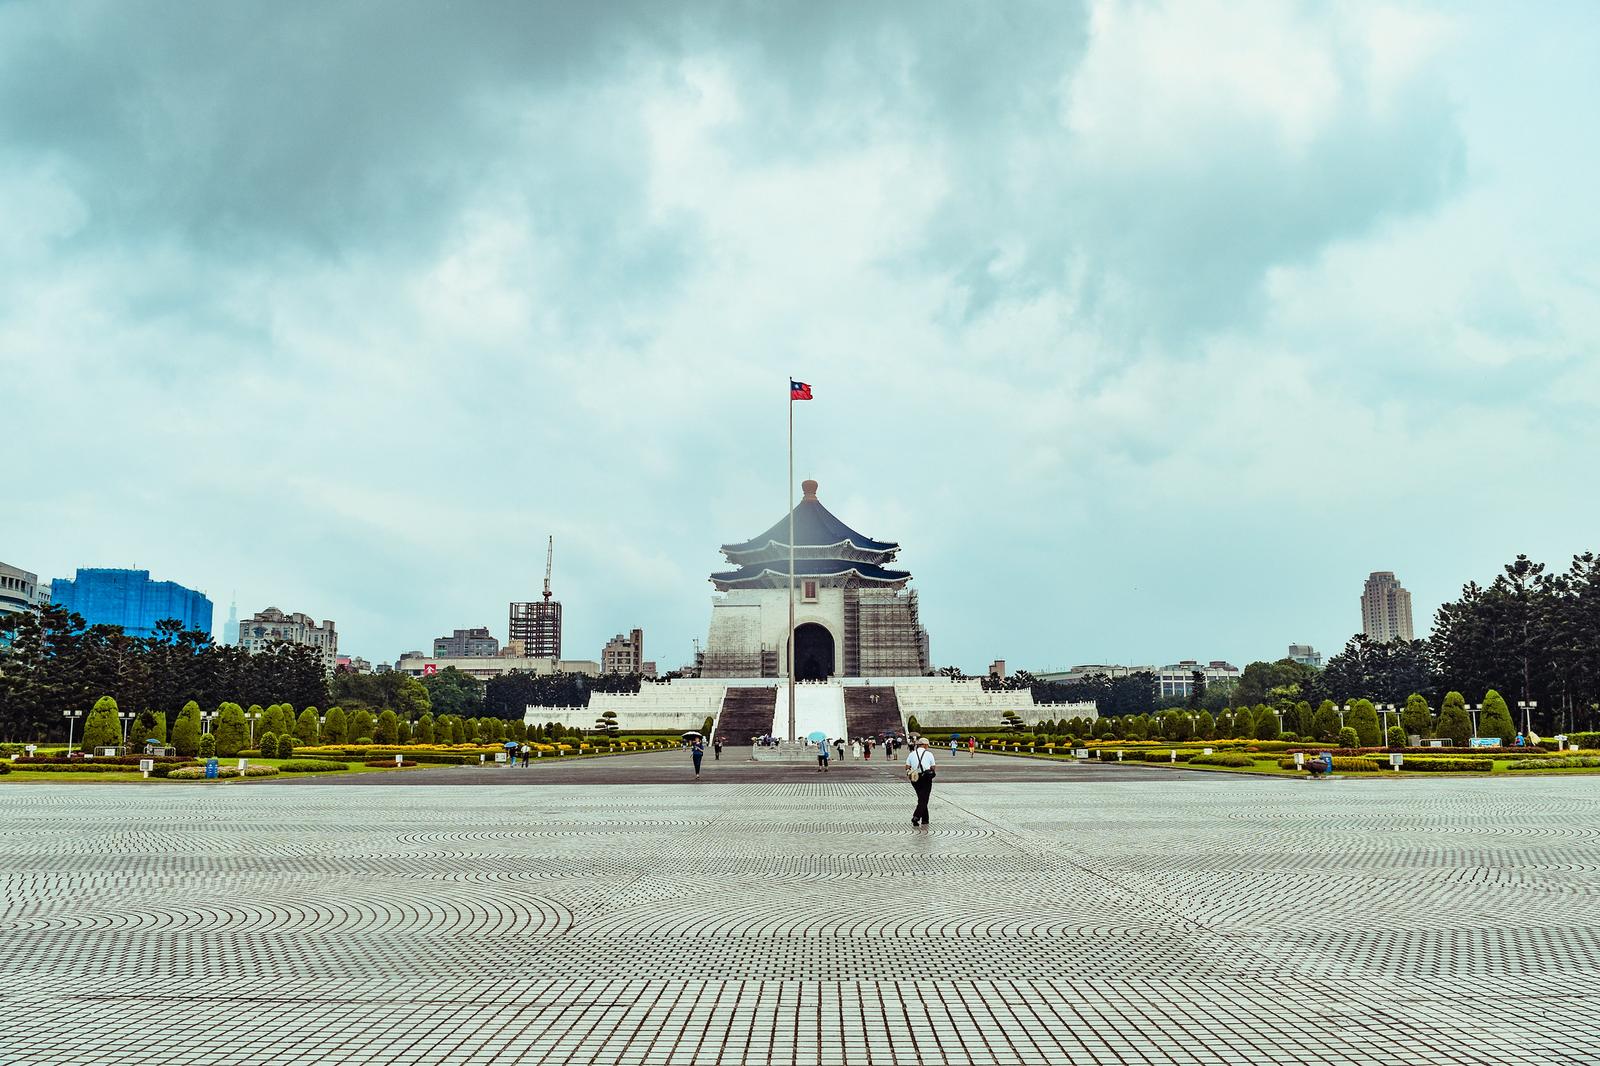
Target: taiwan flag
x=799 y=390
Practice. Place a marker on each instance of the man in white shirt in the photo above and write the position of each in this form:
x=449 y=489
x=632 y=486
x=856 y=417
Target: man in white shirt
x=920 y=759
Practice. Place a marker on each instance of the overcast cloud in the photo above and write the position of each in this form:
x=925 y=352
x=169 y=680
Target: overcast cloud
x=1149 y=329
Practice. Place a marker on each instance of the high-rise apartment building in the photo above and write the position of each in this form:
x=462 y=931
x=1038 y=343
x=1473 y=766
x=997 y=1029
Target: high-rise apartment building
x=19 y=591
x=271 y=626
x=623 y=654
x=466 y=644
x=1385 y=608
x=128 y=598
x=1305 y=655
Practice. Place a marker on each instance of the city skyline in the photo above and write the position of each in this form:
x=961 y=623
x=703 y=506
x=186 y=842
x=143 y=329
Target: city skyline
x=1151 y=340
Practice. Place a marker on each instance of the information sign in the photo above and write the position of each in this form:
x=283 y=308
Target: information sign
x=211 y=768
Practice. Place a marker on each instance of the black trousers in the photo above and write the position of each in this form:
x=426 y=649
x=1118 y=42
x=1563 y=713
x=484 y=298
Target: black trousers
x=923 y=786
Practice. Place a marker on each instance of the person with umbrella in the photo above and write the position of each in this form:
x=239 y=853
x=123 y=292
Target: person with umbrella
x=822 y=751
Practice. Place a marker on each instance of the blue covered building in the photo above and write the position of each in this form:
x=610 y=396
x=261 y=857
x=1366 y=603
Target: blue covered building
x=128 y=598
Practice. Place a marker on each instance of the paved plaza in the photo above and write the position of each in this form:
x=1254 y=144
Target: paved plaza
x=1052 y=914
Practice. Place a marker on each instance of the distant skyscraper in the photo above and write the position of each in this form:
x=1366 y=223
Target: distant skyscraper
x=1385 y=608
x=128 y=598
x=230 y=632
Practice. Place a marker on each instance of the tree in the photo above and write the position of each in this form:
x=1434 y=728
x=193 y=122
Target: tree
x=306 y=729
x=186 y=730
x=422 y=732
x=1349 y=738
x=1495 y=718
x=360 y=728
x=1454 y=721
x=1397 y=736
x=387 y=730
x=230 y=731
x=208 y=746
x=1304 y=718
x=1417 y=716
x=1325 y=723
x=268 y=745
x=1208 y=726
x=412 y=700
x=450 y=691
x=103 y=729
x=1364 y=719
x=1267 y=725
x=335 y=727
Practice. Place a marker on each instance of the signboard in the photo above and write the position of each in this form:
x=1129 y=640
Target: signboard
x=242 y=764
x=211 y=768
x=1397 y=759
x=146 y=765
x=1484 y=742
x=500 y=756
x=429 y=669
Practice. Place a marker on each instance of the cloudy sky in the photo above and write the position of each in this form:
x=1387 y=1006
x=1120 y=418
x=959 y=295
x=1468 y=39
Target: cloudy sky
x=1149 y=329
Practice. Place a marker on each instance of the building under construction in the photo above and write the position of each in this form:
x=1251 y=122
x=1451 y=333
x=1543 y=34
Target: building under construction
x=853 y=617
x=537 y=625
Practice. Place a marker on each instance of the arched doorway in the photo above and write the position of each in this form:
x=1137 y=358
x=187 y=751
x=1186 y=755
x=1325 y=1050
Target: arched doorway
x=813 y=656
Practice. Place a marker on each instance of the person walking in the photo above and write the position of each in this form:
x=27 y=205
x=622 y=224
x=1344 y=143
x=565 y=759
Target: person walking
x=716 y=748
x=855 y=748
x=697 y=750
x=920 y=769
x=838 y=745
x=953 y=743
x=822 y=756
x=972 y=746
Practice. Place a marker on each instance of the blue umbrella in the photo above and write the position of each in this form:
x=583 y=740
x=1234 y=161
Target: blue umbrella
x=818 y=735
x=511 y=744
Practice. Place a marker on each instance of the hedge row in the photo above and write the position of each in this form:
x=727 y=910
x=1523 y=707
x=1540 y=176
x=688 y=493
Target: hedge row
x=1449 y=766
x=116 y=760
x=383 y=763
x=1571 y=762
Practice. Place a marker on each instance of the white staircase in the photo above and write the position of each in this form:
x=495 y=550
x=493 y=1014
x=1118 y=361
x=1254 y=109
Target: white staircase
x=818 y=708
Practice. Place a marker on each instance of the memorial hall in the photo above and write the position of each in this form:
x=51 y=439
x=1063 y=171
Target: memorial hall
x=860 y=651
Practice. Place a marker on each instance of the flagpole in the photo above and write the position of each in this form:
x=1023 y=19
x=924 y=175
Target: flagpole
x=790 y=654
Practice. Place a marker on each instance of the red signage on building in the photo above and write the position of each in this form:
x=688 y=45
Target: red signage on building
x=429 y=669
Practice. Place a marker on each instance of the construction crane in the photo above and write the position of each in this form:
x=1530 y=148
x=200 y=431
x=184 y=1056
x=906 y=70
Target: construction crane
x=549 y=558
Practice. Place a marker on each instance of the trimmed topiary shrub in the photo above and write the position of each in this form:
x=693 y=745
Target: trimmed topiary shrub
x=286 y=746
x=1348 y=738
x=268 y=746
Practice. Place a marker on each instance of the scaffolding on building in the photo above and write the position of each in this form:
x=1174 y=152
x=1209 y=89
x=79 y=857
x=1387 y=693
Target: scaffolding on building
x=888 y=635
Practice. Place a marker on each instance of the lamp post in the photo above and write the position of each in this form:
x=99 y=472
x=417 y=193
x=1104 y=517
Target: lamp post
x=1528 y=707
x=1386 y=708
x=72 y=720
x=1472 y=711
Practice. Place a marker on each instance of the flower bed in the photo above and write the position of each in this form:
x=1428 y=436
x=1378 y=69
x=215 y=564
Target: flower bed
x=311 y=766
x=1448 y=766
x=198 y=773
x=1222 y=758
x=1341 y=765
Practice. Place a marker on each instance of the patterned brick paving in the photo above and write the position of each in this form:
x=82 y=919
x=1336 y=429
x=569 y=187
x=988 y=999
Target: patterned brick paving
x=1124 y=918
